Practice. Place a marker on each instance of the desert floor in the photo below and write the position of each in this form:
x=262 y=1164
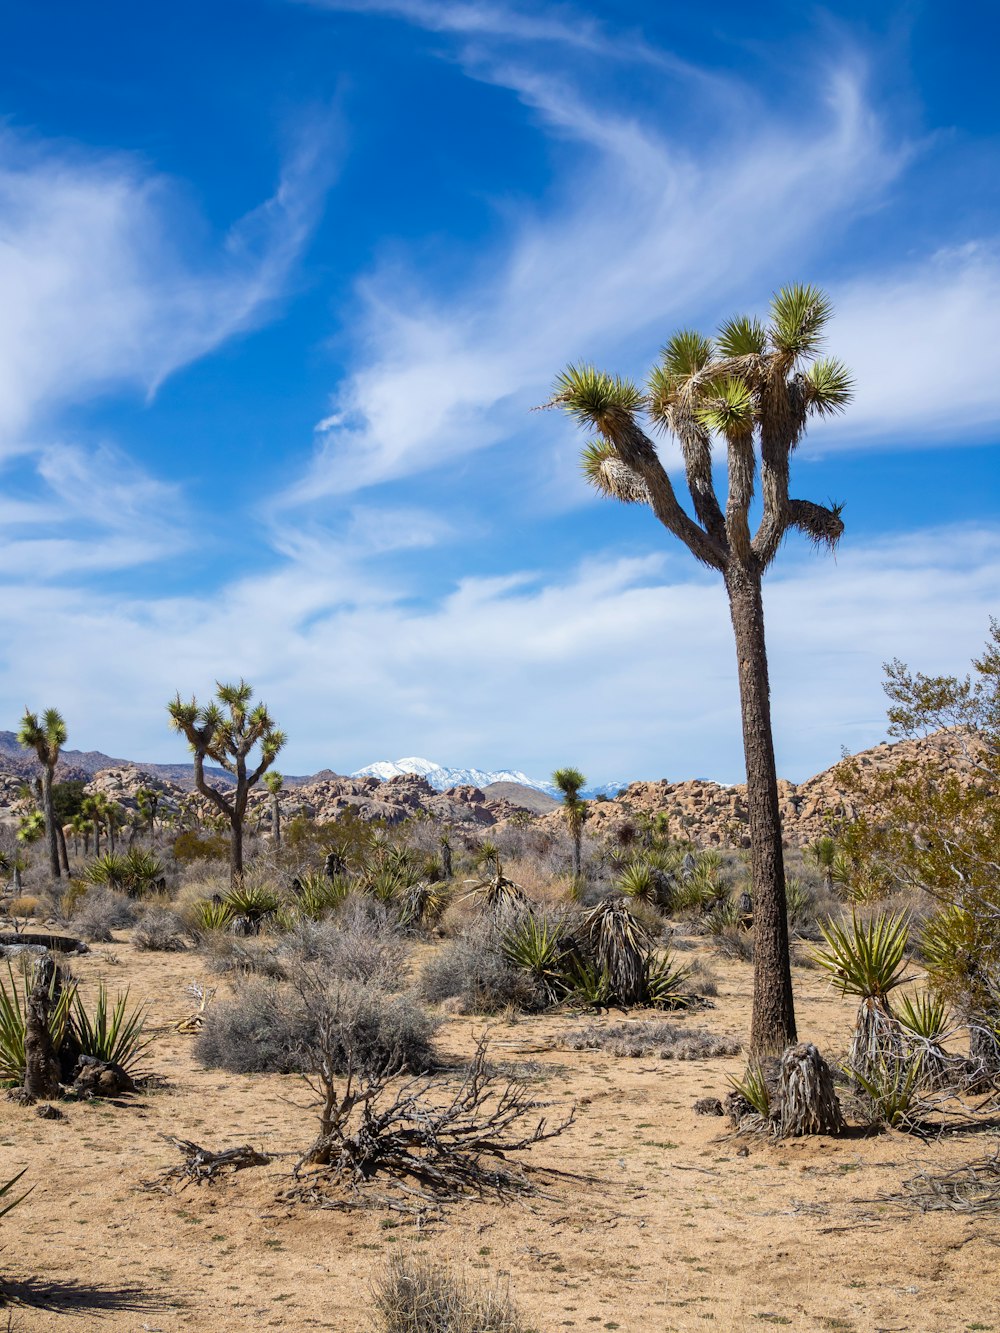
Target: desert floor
x=664 y=1222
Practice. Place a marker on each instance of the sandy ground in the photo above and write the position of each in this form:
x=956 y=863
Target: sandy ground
x=663 y=1224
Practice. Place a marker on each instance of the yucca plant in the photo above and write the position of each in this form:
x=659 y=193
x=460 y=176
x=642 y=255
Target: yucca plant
x=13 y=1015
x=867 y=959
x=254 y=901
x=664 y=983
x=890 y=1088
x=207 y=916
x=725 y=915
x=134 y=872
x=7 y=1204
x=620 y=946
x=318 y=894
x=496 y=893
x=925 y=1023
x=753 y=1088
x=799 y=901
x=639 y=881
x=112 y=1033
x=590 y=986
x=536 y=947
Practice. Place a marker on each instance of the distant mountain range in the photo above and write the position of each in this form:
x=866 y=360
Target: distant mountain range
x=441 y=778
x=83 y=764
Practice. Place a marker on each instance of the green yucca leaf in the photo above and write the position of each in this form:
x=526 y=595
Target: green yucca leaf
x=891 y=1087
x=685 y=354
x=110 y=1034
x=7 y=1205
x=13 y=1016
x=207 y=915
x=591 y=395
x=726 y=406
x=741 y=336
x=604 y=470
x=799 y=314
x=925 y=1015
x=753 y=1086
x=829 y=386
x=867 y=957
x=665 y=983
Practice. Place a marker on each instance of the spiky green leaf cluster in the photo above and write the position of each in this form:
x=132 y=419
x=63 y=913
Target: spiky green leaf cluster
x=867 y=957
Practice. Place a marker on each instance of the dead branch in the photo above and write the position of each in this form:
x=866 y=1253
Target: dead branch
x=201 y=1164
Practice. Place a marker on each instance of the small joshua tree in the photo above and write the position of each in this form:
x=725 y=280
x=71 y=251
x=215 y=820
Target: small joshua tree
x=274 y=782
x=46 y=738
x=569 y=781
x=226 y=733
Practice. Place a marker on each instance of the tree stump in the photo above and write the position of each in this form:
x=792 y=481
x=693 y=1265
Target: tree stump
x=41 y=1060
x=806 y=1101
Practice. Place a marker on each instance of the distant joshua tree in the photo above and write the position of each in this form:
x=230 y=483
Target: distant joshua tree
x=227 y=735
x=752 y=389
x=569 y=781
x=46 y=738
x=274 y=782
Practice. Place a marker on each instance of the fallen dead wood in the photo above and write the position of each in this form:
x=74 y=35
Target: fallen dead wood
x=972 y=1188
x=201 y=1164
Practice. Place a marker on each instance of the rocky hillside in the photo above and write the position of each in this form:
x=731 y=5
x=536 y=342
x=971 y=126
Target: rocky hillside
x=707 y=813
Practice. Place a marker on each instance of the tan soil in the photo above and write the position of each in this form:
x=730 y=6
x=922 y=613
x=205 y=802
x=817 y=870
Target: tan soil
x=662 y=1224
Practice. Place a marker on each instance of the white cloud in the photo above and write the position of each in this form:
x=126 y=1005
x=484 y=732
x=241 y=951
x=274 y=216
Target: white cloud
x=102 y=286
x=619 y=666
x=922 y=341
x=638 y=233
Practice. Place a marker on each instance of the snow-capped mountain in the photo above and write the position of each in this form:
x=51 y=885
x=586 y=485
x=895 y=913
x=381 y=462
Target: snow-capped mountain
x=442 y=778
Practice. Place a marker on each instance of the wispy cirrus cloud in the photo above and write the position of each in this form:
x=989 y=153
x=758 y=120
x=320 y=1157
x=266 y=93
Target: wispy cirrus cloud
x=635 y=235
x=103 y=284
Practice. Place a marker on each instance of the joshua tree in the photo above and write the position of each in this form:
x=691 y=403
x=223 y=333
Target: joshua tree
x=752 y=389
x=227 y=735
x=274 y=782
x=46 y=738
x=148 y=802
x=569 y=781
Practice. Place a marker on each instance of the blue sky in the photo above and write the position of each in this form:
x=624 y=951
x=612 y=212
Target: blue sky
x=282 y=281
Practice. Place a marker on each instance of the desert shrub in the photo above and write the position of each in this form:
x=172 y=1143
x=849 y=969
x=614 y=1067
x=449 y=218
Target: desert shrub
x=26 y=905
x=269 y=1027
x=159 y=931
x=233 y=955
x=474 y=970
x=191 y=846
x=361 y=944
x=101 y=911
x=734 y=942
x=656 y=1037
x=414 y=1294
x=701 y=980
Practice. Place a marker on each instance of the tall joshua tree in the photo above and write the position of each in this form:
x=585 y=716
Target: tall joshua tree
x=227 y=734
x=46 y=738
x=274 y=782
x=569 y=781
x=751 y=390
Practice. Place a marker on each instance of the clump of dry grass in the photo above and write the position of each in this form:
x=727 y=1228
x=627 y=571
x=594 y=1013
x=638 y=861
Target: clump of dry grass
x=653 y=1037
x=414 y=1294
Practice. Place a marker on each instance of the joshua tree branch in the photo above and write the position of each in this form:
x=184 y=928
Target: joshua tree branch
x=637 y=452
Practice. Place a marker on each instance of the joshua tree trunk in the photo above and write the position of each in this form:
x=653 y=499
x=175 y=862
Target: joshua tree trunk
x=576 y=853
x=235 y=851
x=50 y=823
x=773 y=1025
x=64 y=858
x=275 y=820
x=41 y=1065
